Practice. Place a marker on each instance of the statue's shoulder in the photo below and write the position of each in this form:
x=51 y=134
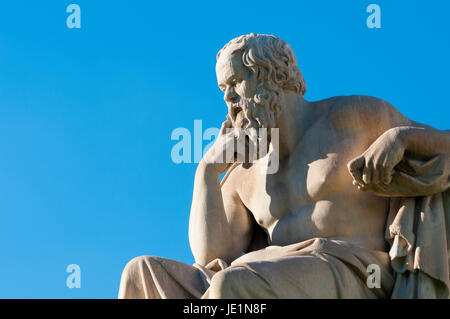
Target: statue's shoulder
x=361 y=112
x=355 y=104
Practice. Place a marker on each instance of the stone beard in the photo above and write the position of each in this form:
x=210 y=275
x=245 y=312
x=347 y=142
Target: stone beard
x=258 y=112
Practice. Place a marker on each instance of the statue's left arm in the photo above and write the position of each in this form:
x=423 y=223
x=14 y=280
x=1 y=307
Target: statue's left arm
x=410 y=163
x=376 y=164
x=425 y=142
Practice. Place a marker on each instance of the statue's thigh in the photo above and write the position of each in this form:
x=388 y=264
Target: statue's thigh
x=307 y=276
x=156 y=277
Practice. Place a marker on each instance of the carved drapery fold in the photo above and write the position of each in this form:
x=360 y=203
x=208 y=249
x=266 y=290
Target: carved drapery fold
x=418 y=227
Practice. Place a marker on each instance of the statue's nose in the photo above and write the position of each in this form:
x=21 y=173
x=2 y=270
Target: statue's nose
x=230 y=95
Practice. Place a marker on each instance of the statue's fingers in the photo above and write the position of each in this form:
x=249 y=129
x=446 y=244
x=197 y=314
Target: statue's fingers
x=367 y=175
x=226 y=125
x=377 y=173
x=229 y=121
x=355 y=167
x=387 y=176
x=360 y=185
x=240 y=147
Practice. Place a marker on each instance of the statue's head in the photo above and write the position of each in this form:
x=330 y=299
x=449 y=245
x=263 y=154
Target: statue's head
x=254 y=71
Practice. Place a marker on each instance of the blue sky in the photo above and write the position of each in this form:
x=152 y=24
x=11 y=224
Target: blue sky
x=86 y=116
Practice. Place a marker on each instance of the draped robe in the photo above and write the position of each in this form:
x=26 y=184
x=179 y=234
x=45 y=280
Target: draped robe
x=416 y=265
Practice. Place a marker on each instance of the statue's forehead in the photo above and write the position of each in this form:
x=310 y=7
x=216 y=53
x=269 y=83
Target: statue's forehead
x=229 y=65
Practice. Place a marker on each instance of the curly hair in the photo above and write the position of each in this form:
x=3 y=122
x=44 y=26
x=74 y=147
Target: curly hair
x=271 y=59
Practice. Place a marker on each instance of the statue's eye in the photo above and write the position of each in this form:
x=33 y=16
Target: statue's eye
x=235 y=82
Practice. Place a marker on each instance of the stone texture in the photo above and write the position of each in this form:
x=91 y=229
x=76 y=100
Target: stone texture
x=358 y=183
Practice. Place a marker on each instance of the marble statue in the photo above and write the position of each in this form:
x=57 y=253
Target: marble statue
x=358 y=184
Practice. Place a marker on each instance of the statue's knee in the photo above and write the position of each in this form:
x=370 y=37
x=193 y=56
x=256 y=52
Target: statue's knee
x=135 y=264
x=227 y=283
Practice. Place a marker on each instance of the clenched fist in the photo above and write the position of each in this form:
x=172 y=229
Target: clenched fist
x=376 y=164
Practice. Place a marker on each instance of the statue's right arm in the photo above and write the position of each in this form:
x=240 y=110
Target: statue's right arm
x=219 y=224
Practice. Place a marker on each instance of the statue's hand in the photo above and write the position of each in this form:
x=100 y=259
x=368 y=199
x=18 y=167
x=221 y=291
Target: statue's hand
x=376 y=164
x=223 y=153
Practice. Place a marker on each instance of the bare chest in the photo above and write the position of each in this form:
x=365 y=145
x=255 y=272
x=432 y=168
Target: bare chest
x=315 y=172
